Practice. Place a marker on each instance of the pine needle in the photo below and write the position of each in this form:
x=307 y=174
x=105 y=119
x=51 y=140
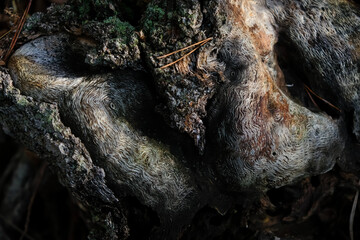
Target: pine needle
x=5 y=34
x=195 y=44
x=18 y=30
x=312 y=100
x=200 y=43
x=172 y=63
x=325 y=101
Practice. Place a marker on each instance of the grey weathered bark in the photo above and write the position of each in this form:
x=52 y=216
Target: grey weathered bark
x=96 y=104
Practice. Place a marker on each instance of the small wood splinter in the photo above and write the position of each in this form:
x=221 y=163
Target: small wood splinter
x=200 y=43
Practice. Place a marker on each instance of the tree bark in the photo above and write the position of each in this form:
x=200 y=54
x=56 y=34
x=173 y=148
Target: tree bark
x=263 y=102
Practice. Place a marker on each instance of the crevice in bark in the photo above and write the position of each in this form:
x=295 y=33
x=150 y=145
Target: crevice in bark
x=132 y=11
x=142 y=220
x=350 y=161
x=54 y=214
x=296 y=75
x=210 y=224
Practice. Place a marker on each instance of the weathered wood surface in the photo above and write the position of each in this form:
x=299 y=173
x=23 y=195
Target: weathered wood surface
x=233 y=117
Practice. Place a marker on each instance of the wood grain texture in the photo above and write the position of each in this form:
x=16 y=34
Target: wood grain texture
x=240 y=99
